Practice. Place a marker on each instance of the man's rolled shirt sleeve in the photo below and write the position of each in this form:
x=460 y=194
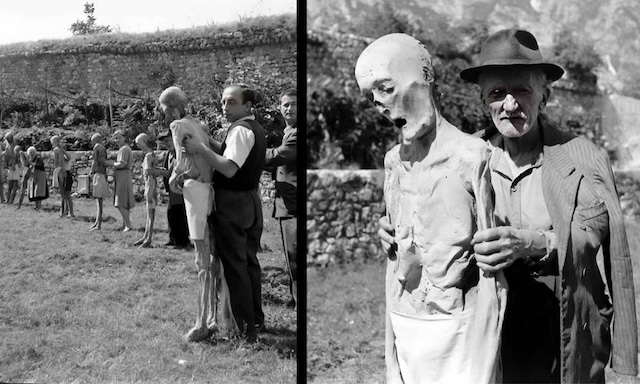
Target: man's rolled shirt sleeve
x=239 y=143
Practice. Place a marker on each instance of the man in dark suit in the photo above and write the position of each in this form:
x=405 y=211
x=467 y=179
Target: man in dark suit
x=176 y=212
x=284 y=207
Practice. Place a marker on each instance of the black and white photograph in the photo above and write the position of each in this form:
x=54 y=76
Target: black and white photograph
x=470 y=211
x=148 y=223
x=473 y=191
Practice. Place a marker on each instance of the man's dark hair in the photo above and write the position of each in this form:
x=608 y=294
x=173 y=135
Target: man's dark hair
x=248 y=94
x=291 y=92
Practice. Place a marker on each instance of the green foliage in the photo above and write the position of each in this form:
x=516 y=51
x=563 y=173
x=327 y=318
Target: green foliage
x=89 y=26
x=343 y=127
x=381 y=20
x=577 y=56
x=21 y=119
x=73 y=116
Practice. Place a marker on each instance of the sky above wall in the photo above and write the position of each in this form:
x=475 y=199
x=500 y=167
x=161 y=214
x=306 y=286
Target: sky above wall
x=32 y=20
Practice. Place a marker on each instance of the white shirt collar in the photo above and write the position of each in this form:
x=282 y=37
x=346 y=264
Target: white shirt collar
x=249 y=117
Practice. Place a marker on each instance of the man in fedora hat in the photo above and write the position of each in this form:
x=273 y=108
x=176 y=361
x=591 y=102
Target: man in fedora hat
x=555 y=207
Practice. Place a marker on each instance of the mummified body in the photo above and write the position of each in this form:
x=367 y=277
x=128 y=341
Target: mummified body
x=192 y=177
x=443 y=314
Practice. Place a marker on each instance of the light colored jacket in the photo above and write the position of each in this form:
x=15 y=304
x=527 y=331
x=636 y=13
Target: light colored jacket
x=581 y=198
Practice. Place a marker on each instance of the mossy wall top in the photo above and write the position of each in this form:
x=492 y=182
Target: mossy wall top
x=199 y=61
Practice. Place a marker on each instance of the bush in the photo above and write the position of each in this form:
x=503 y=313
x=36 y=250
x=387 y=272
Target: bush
x=343 y=128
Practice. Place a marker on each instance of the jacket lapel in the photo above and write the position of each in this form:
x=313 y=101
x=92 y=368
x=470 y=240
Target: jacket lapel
x=560 y=183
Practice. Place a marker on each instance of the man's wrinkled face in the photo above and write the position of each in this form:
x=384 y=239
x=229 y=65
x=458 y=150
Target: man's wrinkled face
x=515 y=96
x=233 y=106
x=289 y=109
x=395 y=83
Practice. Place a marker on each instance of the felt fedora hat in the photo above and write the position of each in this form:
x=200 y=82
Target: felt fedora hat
x=511 y=47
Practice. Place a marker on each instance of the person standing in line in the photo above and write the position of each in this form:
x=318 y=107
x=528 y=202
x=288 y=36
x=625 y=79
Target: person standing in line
x=3 y=171
x=67 y=166
x=285 y=175
x=99 y=183
x=123 y=198
x=149 y=172
x=38 y=186
x=59 y=173
x=237 y=223
x=13 y=176
x=9 y=164
x=26 y=174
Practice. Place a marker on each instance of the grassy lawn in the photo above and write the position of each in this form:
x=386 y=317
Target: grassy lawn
x=86 y=307
x=345 y=324
x=346 y=320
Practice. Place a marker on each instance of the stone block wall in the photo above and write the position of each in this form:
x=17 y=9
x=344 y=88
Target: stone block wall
x=144 y=66
x=343 y=209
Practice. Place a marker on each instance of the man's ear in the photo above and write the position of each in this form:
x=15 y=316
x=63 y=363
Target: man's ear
x=545 y=97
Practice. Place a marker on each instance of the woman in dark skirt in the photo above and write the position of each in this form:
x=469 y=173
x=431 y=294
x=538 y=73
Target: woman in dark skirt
x=38 y=188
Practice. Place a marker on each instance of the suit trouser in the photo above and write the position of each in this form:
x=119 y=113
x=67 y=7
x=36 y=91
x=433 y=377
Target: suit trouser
x=289 y=230
x=177 y=222
x=237 y=227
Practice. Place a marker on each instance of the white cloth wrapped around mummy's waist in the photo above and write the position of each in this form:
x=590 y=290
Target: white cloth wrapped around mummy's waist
x=198 y=201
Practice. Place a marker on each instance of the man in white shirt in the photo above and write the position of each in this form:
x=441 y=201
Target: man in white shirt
x=237 y=222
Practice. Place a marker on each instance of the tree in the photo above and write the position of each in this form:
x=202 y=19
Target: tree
x=577 y=55
x=89 y=26
x=380 y=20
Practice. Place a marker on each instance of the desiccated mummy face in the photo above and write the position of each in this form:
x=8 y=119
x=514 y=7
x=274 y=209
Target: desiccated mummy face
x=396 y=74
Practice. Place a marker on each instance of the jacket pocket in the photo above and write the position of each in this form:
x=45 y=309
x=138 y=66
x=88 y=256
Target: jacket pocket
x=591 y=212
x=593 y=224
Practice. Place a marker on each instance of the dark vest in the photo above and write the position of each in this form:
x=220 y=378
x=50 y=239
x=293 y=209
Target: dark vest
x=248 y=176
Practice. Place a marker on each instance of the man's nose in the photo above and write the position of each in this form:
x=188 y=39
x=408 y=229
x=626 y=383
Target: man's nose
x=510 y=103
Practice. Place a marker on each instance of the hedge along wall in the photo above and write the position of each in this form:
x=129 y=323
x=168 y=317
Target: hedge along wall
x=82 y=166
x=343 y=209
x=145 y=66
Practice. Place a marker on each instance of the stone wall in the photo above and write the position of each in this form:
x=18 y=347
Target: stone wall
x=332 y=52
x=343 y=209
x=144 y=66
x=82 y=166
